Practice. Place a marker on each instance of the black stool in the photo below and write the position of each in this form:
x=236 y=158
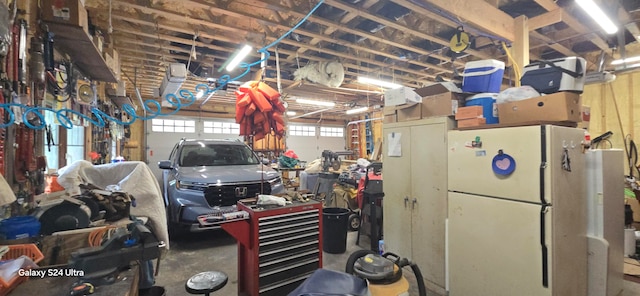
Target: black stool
x=206 y=282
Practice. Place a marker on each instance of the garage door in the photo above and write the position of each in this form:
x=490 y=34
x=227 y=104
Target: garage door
x=165 y=132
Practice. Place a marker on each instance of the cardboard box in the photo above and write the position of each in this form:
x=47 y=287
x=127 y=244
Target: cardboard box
x=401 y=96
x=557 y=107
x=441 y=99
x=469 y=112
x=390 y=118
x=67 y=12
x=112 y=59
x=472 y=122
x=410 y=112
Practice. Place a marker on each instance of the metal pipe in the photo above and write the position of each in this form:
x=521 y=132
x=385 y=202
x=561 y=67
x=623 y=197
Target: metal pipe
x=601 y=62
x=311 y=113
x=364 y=120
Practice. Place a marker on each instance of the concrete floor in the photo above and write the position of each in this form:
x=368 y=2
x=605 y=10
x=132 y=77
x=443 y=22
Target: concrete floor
x=216 y=250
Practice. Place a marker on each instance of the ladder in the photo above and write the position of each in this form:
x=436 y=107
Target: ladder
x=354 y=140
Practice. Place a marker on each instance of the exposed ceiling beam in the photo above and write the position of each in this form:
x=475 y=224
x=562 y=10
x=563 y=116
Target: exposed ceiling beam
x=480 y=14
x=545 y=19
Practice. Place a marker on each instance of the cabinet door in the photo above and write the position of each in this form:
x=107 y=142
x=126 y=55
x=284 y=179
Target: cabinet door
x=429 y=200
x=397 y=189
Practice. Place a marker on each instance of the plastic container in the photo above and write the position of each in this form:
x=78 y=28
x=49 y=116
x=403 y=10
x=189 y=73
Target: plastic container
x=19 y=227
x=489 y=106
x=335 y=223
x=483 y=76
x=564 y=74
x=15 y=251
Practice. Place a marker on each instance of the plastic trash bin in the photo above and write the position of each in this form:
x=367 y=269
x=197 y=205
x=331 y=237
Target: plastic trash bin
x=335 y=223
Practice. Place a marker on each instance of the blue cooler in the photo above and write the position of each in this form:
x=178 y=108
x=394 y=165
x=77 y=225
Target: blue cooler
x=489 y=106
x=483 y=76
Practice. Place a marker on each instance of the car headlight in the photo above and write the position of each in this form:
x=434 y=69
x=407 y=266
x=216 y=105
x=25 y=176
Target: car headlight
x=275 y=181
x=190 y=185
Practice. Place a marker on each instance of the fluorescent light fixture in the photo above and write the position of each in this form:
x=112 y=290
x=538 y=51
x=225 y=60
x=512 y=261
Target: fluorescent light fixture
x=596 y=13
x=291 y=113
x=317 y=103
x=243 y=53
x=626 y=61
x=357 y=110
x=200 y=94
x=385 y=84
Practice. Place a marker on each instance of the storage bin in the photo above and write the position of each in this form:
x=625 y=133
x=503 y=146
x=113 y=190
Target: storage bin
x=489 y=106
x=483 y=76
x=19 y=227
x=15 y=251
x=565 y=74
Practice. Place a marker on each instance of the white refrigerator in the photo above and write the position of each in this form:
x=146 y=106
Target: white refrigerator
x=516 y=218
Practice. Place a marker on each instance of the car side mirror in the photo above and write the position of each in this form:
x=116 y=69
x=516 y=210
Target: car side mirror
x=165 y=165
x=265 y=161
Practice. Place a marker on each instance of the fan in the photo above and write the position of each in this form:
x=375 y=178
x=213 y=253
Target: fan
x=85 y=93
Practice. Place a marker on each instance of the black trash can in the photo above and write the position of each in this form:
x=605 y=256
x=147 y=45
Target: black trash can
x=335 y=223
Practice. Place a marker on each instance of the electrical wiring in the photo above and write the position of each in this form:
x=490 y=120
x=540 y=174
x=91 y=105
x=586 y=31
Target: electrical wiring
x=97 y=236
x=151 y=108
x=516 y=67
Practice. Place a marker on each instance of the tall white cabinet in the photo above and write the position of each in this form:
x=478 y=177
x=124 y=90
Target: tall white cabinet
x=415 y=202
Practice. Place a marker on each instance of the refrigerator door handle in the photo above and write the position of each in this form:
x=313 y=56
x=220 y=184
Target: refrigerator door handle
x=413 y=203
x=406 y=201
x=543 y=243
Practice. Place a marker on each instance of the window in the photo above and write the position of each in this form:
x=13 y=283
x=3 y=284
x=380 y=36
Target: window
x=331 y=132
x=300 y=130
x=75 y=144
x=173 y=126
x=225 y=128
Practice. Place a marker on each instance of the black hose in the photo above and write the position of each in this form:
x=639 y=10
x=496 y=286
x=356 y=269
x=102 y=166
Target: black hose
x=422 y=290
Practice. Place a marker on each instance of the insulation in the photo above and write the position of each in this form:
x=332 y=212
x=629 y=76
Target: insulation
x=329 y=74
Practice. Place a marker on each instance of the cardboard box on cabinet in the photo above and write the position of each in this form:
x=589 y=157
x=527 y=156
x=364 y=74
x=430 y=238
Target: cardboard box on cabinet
x=557 y=107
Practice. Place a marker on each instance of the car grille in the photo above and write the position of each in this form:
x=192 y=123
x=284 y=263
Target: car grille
x=227 y=195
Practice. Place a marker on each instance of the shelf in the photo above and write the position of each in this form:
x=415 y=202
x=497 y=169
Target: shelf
x=75 y=42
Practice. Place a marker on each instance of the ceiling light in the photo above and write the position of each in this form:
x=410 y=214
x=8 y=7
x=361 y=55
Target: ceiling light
x=596 y=13
x=243 y=53
x=317 y=103
x=200 y=94
x=626 y=61
x=357 y=110
x=377 y=82
x=291 y=113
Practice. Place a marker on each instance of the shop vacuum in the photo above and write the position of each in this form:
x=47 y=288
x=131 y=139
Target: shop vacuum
x=366 y=274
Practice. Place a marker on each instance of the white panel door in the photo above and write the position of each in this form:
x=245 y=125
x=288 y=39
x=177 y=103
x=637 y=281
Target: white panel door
x=495 y=247
x=470 y=168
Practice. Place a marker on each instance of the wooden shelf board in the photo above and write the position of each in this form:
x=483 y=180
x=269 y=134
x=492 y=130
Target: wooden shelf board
x=75 y=42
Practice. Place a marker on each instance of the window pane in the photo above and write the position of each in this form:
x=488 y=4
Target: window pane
x=208 y=124
x=179 y=129
x=217 y=124
x=189 y=129
x=157 y=128
x=168 y=122
x=208 y=130
x=156 y=121
x=189 y=123
x=168 y=129
x=217 y=130
x=179 y=123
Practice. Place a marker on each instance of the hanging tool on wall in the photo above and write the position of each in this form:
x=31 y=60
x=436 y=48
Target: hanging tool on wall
x=22 y=52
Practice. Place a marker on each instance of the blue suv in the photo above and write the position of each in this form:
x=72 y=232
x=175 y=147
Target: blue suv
x=203 y=179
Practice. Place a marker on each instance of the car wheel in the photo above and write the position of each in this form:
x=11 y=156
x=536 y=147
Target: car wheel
x=354 y=222
x=175 y=230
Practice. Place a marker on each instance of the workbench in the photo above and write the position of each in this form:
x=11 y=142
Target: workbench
x=126 y=284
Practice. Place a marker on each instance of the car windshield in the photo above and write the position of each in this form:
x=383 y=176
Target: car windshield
x=201 y=154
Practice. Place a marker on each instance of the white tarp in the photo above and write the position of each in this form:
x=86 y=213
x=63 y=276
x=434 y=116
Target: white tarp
x=133 y=177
